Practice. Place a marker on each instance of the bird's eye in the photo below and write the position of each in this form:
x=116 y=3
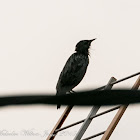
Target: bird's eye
x=85 y=42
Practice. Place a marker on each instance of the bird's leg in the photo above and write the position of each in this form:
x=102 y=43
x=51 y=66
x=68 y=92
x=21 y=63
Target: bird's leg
x=72 y=91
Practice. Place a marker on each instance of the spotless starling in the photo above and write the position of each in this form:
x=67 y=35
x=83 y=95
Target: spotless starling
x=74 y=69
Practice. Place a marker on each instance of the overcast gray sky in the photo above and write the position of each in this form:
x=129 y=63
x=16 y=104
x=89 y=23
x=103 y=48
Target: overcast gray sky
x=36 y=39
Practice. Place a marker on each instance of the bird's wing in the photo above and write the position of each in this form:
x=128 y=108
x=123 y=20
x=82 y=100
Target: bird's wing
x=73 y=72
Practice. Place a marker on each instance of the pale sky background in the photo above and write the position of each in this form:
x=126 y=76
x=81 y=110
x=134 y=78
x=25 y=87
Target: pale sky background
x=36 y=39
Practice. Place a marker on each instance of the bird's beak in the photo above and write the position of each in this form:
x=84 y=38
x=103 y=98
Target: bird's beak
x=92 y=40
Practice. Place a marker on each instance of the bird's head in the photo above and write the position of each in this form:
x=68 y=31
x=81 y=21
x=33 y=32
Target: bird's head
x=83 y=46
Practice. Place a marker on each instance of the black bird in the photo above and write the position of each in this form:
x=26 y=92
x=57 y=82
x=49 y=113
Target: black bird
x=74 y=69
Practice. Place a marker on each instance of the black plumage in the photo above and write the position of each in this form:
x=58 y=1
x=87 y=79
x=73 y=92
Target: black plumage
x=74 y=69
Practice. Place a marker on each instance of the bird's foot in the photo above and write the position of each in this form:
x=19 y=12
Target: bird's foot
x=72 y=91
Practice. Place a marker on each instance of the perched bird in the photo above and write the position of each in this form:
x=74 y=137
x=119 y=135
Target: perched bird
x=74 y=69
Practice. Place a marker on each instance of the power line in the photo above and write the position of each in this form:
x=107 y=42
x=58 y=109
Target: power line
x=92 y=97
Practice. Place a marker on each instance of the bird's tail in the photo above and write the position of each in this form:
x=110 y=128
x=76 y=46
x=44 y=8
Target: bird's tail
x=57 y=94
x=58 y=106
